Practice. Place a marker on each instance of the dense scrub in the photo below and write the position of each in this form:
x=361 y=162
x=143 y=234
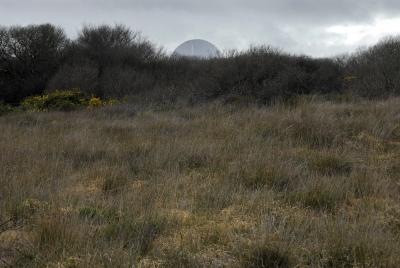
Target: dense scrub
x=113 y=61
x=29 y=57
x=314 y=184
x=67 y=100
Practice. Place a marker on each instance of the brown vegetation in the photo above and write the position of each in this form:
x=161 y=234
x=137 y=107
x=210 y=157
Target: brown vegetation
x=315 y=184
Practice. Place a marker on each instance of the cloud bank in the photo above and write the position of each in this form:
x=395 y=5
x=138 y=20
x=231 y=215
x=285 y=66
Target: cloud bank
x=313 y=27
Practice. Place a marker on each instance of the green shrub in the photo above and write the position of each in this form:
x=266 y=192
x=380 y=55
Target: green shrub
x=5 y=108
x=66 y=100
x=56 y=101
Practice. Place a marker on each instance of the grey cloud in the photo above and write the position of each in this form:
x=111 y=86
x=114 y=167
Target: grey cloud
x=298 y=26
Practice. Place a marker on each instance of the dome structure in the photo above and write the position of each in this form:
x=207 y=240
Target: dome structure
x=197 y=48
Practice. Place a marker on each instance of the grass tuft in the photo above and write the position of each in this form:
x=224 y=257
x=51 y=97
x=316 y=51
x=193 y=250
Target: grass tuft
x=264 y=257
x=330 y=165
x=272 y=177
x=137 y=234
x=113 y=184
x=319 y=199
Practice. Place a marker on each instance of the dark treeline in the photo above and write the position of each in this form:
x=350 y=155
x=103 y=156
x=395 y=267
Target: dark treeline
x=113 y=61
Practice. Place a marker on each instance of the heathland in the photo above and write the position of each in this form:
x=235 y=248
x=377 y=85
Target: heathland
x=310 y=183
x=115 y=154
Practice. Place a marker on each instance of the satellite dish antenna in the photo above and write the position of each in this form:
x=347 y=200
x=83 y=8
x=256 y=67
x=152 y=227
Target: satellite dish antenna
x=197 y=48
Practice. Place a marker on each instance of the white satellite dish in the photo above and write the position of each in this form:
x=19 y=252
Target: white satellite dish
x=197 y=48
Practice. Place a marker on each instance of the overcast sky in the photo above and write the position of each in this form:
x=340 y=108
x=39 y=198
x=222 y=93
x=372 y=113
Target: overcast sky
x=312 y=27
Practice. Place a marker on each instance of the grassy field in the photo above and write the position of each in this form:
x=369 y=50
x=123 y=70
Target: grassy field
x=313 y=184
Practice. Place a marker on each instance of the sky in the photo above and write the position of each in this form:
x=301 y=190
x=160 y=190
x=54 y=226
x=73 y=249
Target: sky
x=318 y=28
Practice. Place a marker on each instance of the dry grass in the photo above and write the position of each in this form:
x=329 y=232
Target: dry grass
x=212 y=186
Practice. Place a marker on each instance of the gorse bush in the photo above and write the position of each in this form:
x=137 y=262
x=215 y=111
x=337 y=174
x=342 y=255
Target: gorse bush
x=94 y=102
x=55 y=101
x=63 y=101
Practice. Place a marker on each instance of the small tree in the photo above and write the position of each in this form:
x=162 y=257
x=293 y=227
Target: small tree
x=113 y=60
x=376 y=71
x=29 y=56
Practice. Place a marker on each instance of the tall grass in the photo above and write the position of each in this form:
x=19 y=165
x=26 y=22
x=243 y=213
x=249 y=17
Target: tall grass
x=312 y=184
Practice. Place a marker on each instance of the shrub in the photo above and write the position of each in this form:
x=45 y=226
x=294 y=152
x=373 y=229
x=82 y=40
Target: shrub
x=113 y=61
x=55 y=101
x=66 y=100
x=95 y=102
x=5 y=108
x=30 y=55
x=374 y=72
x=35 y=103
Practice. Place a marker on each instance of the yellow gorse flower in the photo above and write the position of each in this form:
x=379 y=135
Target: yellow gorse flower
x=64 y=101
x=350 y=78
x=95 y=102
